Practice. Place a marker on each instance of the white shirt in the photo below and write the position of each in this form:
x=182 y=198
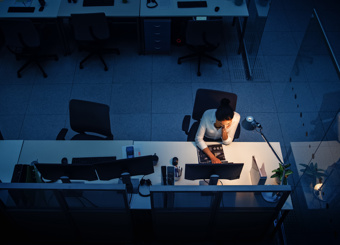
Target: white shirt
x=207 y=129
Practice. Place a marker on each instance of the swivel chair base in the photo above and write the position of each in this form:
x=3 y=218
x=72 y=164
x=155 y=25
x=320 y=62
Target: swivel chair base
x=99 y=53
x=36 y=61
x=199 y=55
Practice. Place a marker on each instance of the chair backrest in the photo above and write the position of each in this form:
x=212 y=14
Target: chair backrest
x=20 y=33
x=86 y=116
x=210 y=99
x=203 y=33
x=89 y=27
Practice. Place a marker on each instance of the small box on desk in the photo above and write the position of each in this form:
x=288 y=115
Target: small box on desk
x=258 y=174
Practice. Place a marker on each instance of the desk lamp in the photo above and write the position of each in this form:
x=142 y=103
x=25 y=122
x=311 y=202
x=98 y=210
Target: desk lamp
x=249 y=123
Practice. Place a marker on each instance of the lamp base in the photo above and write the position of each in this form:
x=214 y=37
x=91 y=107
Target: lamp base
x=270 y=197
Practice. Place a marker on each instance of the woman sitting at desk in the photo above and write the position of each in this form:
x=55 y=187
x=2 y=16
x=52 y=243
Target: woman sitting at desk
x=216 y=124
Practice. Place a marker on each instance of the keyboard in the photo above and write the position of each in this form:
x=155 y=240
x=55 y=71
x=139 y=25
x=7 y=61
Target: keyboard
x=21 y=9
x=97 y=3
x=92 y=160
x=191 y=4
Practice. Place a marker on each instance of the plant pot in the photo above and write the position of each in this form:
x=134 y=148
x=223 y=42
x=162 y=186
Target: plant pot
x=238 y=2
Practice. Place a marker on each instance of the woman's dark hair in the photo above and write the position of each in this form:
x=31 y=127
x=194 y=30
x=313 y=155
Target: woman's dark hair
x=224 y=111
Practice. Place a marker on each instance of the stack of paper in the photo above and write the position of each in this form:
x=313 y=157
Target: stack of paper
x=258 y=174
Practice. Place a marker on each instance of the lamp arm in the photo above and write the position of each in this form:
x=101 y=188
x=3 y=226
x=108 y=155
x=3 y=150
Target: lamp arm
x=265 y=139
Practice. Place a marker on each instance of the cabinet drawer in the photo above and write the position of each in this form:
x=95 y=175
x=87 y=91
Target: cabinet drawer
x=157 y=26
x=157 y=45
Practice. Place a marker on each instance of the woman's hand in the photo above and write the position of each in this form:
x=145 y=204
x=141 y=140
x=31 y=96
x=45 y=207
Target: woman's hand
x=215 y=160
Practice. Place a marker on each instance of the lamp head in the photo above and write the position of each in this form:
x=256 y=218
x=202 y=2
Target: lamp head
x=249 y=123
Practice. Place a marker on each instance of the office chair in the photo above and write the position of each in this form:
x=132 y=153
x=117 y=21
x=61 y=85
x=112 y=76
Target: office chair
x=86 y=116
x=23 y=40
x=91 y=31
x=1 y=137
x=207 y=99
x=202 y=37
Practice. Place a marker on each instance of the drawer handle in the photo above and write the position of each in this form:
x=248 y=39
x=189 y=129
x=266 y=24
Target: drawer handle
x=157 y=33
x=157 y=41
x=157 y=26
x=157 y=47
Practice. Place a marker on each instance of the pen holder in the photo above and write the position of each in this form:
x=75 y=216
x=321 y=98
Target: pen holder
x=178 y=172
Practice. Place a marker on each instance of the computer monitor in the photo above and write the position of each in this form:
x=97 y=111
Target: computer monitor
x=134 y=166
x=228 y=171
x=53 y=171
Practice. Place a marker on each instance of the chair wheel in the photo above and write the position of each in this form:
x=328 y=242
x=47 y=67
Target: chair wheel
x=106 y=69
x=45 y=75
x=56 y=58
x=199 y=74
x=179 y=62
x=81 y=67
x=19 y=75
x=219 y=64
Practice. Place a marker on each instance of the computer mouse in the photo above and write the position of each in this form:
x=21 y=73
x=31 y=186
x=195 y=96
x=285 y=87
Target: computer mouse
x=217 y=9
x=175 y=161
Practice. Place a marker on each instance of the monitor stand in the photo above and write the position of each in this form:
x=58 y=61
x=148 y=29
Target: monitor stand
x=213 y=180
x=131 y=184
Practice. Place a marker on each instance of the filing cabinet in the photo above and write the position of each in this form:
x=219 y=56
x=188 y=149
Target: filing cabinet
x=157 y=35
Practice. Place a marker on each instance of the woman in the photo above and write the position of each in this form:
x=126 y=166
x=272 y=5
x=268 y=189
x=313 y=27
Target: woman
x=216 y=124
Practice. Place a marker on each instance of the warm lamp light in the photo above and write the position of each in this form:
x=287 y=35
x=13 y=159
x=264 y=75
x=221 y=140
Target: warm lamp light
x=249 y=123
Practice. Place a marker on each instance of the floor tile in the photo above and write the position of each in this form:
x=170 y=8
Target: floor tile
x=10 y=126
x=167 y=127
x=172 y=98
x=131 y=126
x=100 y=93
x=254 y=97
x=50 y=99
x=326 y=95
x=296 y=128
x=42 y=127
x=293 y=97
x=131 y=98
x=278 y=43
x=14 y=99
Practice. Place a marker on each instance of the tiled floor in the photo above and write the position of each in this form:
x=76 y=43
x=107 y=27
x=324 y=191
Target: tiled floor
x=149 y=95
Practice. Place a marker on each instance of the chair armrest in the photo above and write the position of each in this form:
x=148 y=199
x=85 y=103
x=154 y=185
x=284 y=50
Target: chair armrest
x=62 y=134
x=186 y=124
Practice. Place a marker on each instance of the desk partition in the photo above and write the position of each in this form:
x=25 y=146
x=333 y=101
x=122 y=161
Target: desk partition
x=215 y=213
x=66 y=212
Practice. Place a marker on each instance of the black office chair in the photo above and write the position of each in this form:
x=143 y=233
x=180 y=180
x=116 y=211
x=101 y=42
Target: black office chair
x=207 y=99
x=202 y=37
x=23 y=40
x=91 y=31
x=1 y=137
x=88 y=117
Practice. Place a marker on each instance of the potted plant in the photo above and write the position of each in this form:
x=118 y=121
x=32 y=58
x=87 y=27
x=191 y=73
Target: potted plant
x=278 y=173
x=313 y=171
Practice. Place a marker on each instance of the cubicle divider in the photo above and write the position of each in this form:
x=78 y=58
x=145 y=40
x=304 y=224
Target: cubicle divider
x=40 y=212
x=216 y=213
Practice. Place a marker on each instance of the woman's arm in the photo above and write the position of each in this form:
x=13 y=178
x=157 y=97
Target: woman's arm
x=199 y=139
x=232 y=130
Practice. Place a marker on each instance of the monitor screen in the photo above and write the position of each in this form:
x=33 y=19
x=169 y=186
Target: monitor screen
x=134 y=166
x=204 y=171
x=53 y=171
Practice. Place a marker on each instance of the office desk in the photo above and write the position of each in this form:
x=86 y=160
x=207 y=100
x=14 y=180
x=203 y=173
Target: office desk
x=120 y=9
x=124 y=11
x=156 y=35
x=168 y=8
x=50 y=11
x=237 y=152
x=52 y=151
x=9 y=156
x=326 y=156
